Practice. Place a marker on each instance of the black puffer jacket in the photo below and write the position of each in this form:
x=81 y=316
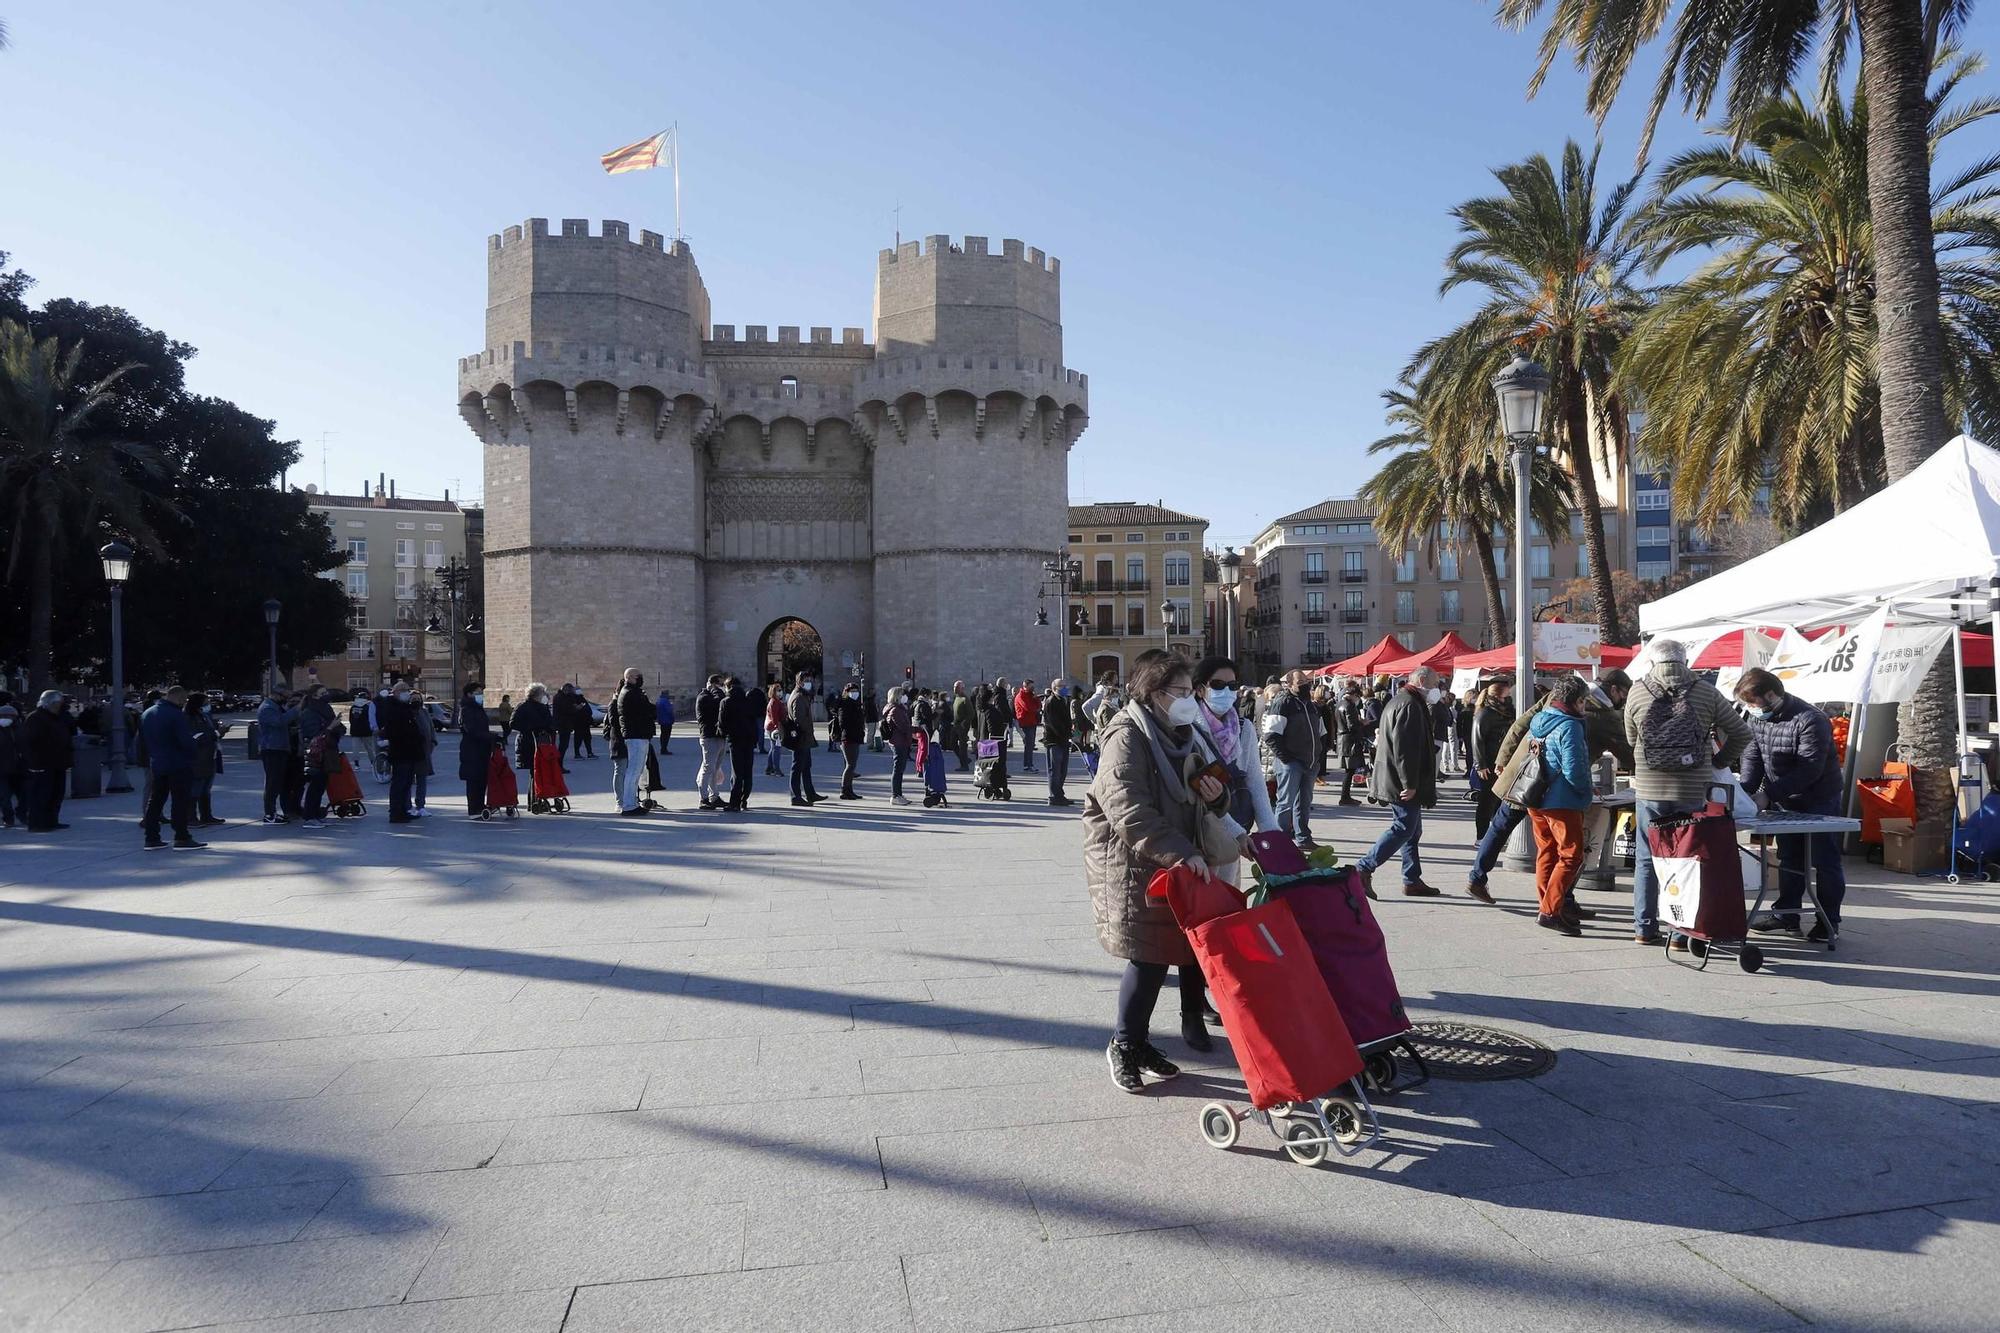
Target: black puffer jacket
x=632 y=716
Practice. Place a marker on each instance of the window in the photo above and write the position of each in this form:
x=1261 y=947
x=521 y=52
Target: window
x=360 y=650
x=433 y=554
x=403 y=645
x=1135 y=618
x=1135 y=572
x=1183 y=617
x=357 y=550
x=1135 y=536
x=406 y=527
x=1538 y=562
x=1353 y=638
x=433 y=527
x=788 y=387
x=1102 y=537
x=1583 y=562
x=1350 y=567
x=1652 y=500
x=1650 y=570
x=406 y=615
x=1576 y=527
x=1450 y=611
x=1506 y=601
x=1406 y=607
x=1316 y=646
x=1180 y=572
x=1351 y=529
x=1352 y=612
x=1406 y=568
x=406 y=552
x=357 y=583
x=356 y=523
x=1075 y=540
x=1541 y=594
x=1315 y=608
x=1448 y=564
x=406 y=583
x=360 y=682
x=1535 y=528
x=357 y=615
x=1105 y=626
x=1500 y=561
x=1315 y=562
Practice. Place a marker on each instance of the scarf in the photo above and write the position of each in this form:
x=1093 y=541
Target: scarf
x=1168 y=754
x=1226 y=732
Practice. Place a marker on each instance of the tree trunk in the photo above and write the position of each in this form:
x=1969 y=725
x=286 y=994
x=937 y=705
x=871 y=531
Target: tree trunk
x=1489 y=575
x=41 y=615
x=1577 y=429
x=1895 y=71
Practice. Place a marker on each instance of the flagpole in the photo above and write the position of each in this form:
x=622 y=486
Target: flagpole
x=678 y=234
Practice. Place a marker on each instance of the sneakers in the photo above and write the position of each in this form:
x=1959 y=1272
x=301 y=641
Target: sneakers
x=1124 y=1064
x=1152 y=1062
x=1576 y=911
x=188 y=845
x=156 y=844
x=276 y=819
x=1818 y=934
x=900 y=800
x=314 y=823
x=1416 y=888
x=1477 y=888
x=1770 y=923
x=1562 y=925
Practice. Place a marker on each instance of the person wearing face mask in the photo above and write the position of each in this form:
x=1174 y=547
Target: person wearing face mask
x=630 y=723
x=208 y=734
x=1791 y=763
x=1231 y=738
x=899 y=730
x=712 y=779
x=1292 y=742
x=1055 y=719
x=475 y=747
x=1142 y=815
x=1027 y=717
x=1558 y=818
x=47 y=745
x=740 y=719
x=274 y=747
x=13 y=768
x=1404 y=779
x=403 y=742
x=803 y=739
x=847 y=726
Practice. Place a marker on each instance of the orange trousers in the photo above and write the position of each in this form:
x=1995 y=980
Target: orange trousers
x=1558 y=854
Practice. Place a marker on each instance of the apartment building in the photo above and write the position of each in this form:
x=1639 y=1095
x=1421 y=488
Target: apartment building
x=394 y=547
x=1140 y=579
x=1318 y=587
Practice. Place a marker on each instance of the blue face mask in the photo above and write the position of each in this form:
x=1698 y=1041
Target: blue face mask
x=1221 y=701
x=1064 y=691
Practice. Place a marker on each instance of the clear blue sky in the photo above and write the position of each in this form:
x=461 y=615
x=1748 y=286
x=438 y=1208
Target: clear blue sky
x=1250 y=203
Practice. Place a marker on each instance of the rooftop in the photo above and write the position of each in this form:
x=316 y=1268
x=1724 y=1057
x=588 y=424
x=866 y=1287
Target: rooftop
x=1327 y=511
x=1125 y=513
x=327 y=501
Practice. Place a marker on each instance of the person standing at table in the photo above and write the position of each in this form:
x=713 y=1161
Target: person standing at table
x=1791 y=764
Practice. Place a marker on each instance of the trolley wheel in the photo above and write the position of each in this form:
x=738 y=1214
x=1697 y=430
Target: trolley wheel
x=1344 y=1116
x=1697 y=948
x=1218 y=1126
x=1379 y=1071
x=512 y=812
x=562 y=805
x=1304 y=1143
x=1751 y=958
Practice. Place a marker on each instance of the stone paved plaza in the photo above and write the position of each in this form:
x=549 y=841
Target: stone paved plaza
x=844 y=1070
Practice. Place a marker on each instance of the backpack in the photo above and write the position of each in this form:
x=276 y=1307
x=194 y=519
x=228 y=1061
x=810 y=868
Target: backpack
x=1675 y=739
x=357 y=719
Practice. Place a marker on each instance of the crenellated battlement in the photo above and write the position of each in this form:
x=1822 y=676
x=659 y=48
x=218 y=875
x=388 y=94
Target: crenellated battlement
x=582 y=354
x=573 y=230
x=970 y=248
x=788 y=336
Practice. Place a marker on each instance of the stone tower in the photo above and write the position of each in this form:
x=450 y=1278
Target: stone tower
x=662 y=494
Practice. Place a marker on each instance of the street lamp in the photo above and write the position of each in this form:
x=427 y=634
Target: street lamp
x=1166 y=625
x=453 y=576
x=272 y=606
x=117 y=558
x=1523 y=393
x=1231 y=565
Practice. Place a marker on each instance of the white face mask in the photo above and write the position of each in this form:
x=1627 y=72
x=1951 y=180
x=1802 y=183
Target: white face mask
x=401 y=697
x=6 y=721
x=806 y=685
x=854 y=694
x=1433 y=694
x=1184 y=712
x=1221 y=700
x=479 y=699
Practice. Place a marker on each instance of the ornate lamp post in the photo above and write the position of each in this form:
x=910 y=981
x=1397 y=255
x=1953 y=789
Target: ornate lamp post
x=1231 y=565
x=1166 y=625
x=452 y=576
x=1523 y=391
x=272 y=608
x=117 y=558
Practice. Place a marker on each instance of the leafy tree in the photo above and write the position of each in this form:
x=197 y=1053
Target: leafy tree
x=1762 y=365
x=1582 y=599
x=1756 y=47
x=1435 y=492
x=1558 y=282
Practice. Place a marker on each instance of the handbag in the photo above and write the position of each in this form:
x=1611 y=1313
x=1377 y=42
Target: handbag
x=1531 y=781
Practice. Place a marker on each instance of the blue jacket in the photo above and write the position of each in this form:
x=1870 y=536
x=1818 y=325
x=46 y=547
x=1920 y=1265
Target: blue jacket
x=665 y=709
x=1567 y=756
x=274 y=726
x=169 y=735
x=1791 y=757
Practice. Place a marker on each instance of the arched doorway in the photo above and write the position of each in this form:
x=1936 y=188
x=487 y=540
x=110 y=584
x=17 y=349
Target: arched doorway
x=1102 y=663
x=785 y=649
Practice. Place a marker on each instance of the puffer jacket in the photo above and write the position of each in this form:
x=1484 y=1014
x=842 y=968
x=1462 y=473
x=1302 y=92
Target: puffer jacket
x=1295 y=741
x=1721 y=723
x=1055 y=721
x=1027 y=707
x=1792 y=759
x=632 y=715
x=1564 y=754
x=1131 y=830
x=1489 y=729
x=708 y=714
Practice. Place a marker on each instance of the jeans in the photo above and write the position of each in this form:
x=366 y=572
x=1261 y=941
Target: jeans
x=742 y=762
x=1058 y=771
x=1831 y=875
x=1139 y=990
x=1645 y=880
x=773 y=765
x=165 y=786
x=850 y=752
x=713 y=775
x=1494 y=841
x=1028 y=748
x=626 y=768
x=402 y=776
x=1405 y=833
x=802 y=774
x=45 y=798
x=896 y=774
x=277 y=764
x=1295 y=801
x=315 y=803
x=202 y=793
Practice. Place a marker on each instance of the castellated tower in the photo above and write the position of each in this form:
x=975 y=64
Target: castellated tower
x=663 y=494
x=972 y=414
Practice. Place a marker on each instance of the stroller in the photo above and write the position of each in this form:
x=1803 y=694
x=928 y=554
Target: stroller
x=343 y=789
x=502 y=792
x=1297 y=1057
x=547 y=792
x=930 y=761
x=989 y=771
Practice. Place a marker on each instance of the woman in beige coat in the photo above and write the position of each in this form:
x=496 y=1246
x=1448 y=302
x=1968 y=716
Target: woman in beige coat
x=1140 y=817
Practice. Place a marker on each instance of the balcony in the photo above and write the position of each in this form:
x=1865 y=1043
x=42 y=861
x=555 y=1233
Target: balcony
x=1312 y=576
x=1109 y=585
x=1315 y=617
x=1314 y=659
x=1354 y=576
x=1353 y=617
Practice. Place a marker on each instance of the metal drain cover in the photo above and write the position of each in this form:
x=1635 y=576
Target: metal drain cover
x=1479 y=1055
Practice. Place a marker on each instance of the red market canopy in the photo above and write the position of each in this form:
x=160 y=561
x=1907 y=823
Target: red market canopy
x=1502 y=659
x=1370 y=662
x=1439 y=656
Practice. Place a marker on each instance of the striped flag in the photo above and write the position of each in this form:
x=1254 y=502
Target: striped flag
x=640 y=156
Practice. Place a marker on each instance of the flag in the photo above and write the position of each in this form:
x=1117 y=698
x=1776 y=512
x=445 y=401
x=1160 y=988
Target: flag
x=639 y=156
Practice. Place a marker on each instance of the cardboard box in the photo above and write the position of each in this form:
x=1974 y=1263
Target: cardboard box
x=1914 y=847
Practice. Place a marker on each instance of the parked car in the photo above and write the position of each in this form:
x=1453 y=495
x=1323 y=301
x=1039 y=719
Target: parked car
x=441 y=718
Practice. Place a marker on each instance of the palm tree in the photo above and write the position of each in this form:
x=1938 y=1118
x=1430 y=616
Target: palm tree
x=1756 y=46
x=1763 y=363
x=1558 y=281
x=57 y=479
x=1433 y=493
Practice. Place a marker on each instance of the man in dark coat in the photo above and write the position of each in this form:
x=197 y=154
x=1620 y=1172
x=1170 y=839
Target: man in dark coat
x=1292 y=743
x=170 y=752
x=1056 y=721
x=47 y=736
x=13 y=767
x=847 y=727
x=1351 y=740
x=742 y=721
x=475 y=747
x=803 y=739
x=1490 y=721
x=1792 y=763
x=630 y=724
x=403 y=741
x=1404 y=779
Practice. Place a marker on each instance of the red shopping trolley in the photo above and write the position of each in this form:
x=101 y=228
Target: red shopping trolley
x=1700 y=871
x=547 y=792
x=503 y=794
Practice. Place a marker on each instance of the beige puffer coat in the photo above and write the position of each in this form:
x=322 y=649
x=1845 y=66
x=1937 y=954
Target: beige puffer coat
x=1131 y=830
